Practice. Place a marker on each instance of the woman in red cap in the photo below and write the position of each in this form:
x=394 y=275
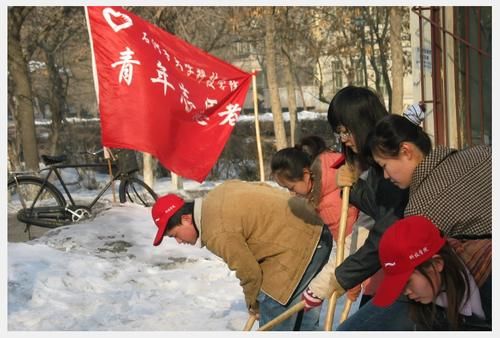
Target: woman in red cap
x=450 y=187
x=419 y=262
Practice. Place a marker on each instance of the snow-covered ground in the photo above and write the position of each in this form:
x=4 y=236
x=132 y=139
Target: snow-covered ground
x=105 y=275
x=302 y=115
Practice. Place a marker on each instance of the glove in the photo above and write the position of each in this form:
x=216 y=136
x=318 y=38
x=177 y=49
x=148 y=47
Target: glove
x=346 y=176
x=254 y=310
x=325 y=282
x=353 y=293
x=311 y=300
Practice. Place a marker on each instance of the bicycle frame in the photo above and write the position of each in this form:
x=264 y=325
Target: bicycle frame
x=55 y=169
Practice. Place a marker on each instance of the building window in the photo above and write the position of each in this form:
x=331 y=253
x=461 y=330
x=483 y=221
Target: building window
x=242 y=48
x=383 y=89
x=359 y=77
x=337 y=75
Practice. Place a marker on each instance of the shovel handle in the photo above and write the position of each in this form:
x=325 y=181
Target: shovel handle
x=339 y=256
x=250 y=322
x=284 y=316
x=347 y=309
x=332 y=304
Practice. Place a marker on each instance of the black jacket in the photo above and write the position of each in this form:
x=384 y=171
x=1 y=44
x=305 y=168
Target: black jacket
x=385 y=203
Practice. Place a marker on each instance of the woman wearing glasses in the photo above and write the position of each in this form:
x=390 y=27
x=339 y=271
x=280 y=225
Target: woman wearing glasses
x=352 y=114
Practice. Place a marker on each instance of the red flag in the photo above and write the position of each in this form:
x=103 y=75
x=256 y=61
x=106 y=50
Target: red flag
x=161 y=95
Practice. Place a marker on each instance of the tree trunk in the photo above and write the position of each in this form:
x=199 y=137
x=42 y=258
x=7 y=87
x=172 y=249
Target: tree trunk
x=13 y=157
x=14 y=142
x=18 y=68
x=57 y=102
x=177 y=182
x=380 y=32
x=292 y=102
x=301 y=92
x=272 y=79
x=148 y=169
x=397 y=60
x=363 y=55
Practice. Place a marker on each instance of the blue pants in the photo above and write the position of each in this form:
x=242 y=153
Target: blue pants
x=301 y=321
x=373 y=318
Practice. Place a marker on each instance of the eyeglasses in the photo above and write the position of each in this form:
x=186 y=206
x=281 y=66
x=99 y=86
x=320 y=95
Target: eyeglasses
x=343 y=134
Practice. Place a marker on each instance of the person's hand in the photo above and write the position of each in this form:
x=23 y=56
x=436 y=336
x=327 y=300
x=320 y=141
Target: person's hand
x=346 y=176
x=311 y=301
x=325 y=283
x=254 y=310
x=353 y=293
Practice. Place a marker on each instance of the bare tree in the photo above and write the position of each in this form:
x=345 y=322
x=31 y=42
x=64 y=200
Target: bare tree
x=292 y=101
x=374 y=19
x=288 y=47
x=272 y=79
x=397 y=70
x=52 y=30
x=21 y=89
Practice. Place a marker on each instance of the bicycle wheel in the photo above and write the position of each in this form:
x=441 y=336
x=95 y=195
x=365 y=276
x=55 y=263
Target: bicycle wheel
x=35 y=202
x=136 y=191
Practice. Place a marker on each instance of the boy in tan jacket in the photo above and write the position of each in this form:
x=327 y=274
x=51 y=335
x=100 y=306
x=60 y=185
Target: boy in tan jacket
x=250 y=226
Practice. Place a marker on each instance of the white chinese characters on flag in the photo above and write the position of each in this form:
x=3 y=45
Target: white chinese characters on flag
x=161 y=95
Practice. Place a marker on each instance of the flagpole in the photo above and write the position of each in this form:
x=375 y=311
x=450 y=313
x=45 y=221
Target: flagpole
x=96 y=88
x=94 y=68
x=257 y=126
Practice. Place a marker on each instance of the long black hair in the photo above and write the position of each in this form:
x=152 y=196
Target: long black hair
x=358 y=109
x=393 y=130
x=289 y=163
x=456 y=283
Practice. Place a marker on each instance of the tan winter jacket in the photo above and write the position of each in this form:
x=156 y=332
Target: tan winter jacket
x=251 y=227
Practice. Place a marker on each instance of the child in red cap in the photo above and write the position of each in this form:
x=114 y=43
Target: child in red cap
x=250 y=226
x=418 y=262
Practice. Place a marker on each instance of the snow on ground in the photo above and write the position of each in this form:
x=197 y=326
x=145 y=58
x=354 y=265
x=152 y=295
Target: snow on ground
x=105 y=275
x=303 y=115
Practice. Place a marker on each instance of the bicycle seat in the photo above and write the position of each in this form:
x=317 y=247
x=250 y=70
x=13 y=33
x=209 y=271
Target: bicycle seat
x=48 y=160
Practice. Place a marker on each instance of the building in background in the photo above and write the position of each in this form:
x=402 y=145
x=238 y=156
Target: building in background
x=452 y=72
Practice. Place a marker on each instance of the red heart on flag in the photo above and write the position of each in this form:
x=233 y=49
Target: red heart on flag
x=124 y=21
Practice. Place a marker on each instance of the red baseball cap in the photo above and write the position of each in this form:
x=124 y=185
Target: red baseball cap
x=404 y=245
x=164 y=208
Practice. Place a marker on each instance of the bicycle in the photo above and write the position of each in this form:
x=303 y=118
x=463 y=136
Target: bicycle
x=37 y=201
